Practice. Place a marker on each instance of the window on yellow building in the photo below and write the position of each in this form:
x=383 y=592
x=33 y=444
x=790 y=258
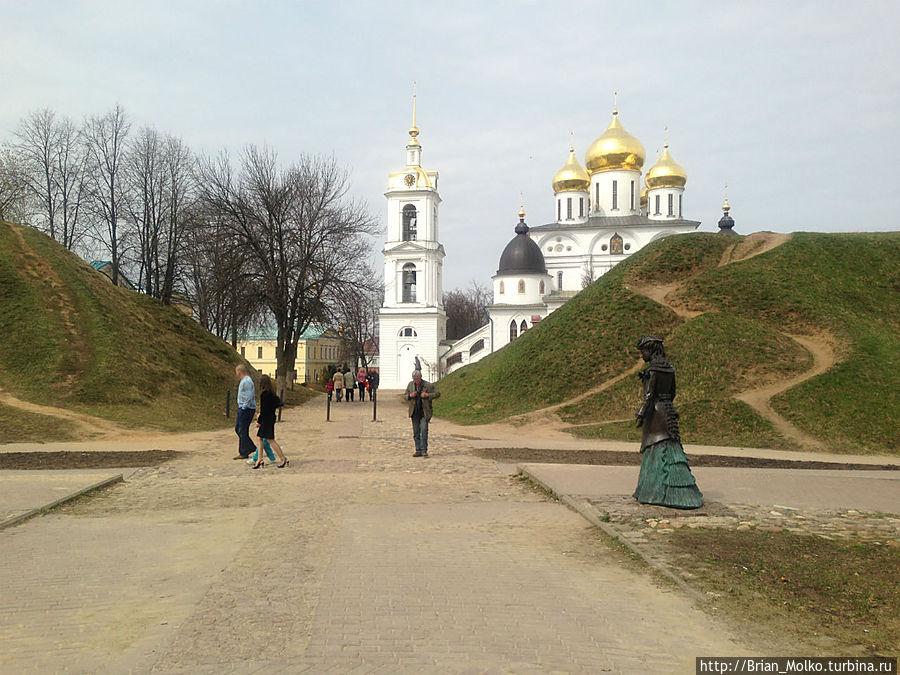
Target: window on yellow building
x=259 y=352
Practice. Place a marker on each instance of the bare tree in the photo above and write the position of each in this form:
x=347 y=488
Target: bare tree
x=12 y=186
x=105 y=141
x=588 y=276
x=357 y=313
x=158 y=186
x=465 y=309
x=218 y=279
x=304 y=240
x=144 y=203
x=180 y=204
x=52 y=157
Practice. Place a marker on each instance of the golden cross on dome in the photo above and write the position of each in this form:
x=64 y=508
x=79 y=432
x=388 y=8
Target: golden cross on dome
x=666 y=144
x=615 y=102
x=571 y=141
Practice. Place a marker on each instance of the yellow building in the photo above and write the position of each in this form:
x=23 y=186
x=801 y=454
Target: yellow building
x=317 y=348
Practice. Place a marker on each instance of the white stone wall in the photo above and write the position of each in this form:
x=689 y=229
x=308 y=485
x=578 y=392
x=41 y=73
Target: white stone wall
x=562 y=207
x=510 y=285
x=602 y=192
x=425 y=200
x=504 y=314
x=464 y=345
x=397 y=353
x=663 y=195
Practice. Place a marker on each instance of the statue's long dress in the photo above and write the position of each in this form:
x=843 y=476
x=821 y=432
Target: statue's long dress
x=665 y=477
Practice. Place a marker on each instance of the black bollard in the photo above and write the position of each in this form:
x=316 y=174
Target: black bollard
x=328 y=410
x=282 y=404
x=228 y=403
x=374 y=405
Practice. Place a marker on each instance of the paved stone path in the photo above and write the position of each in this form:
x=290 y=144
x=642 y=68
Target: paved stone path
x=357 y=557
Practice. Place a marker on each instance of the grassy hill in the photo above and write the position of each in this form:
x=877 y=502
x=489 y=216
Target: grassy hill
x=843 y=287
x=73 y=340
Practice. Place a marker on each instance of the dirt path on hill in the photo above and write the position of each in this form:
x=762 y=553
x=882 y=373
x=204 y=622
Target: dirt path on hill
x=57 y=299
x=88 y=425
x=753 y=245
x=548 y=415
x=761 y=399
x=820 y=346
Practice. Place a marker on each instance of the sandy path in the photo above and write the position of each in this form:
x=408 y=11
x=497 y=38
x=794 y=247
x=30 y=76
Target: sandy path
x=761 y=399
x=357 y=556
x=85 y=424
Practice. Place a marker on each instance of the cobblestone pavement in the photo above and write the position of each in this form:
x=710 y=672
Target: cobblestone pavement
x=356 y=557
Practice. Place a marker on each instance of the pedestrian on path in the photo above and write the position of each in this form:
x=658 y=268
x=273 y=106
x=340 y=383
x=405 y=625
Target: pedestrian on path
x=665 y=477
x=338 y=380
x=372 y=378
x=361 y=383
x=246 y=402
x=268 y=404
x=349 y=385
x=420 y=393
x=329 y=388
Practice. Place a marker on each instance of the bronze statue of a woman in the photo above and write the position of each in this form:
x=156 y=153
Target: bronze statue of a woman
x=665 y=477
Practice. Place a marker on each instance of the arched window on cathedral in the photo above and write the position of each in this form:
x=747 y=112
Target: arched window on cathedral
x=502 y=287
x=513 y=330
x=409 y=282
x=523 y=327
x=615 y=245
x=477 y=346
x=521 y=287
x=541 y=288
x=409 y=331
x=409 y=223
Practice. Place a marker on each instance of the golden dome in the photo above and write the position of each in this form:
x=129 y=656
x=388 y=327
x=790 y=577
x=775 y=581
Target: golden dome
x=644 y=197
x=666 y=172
x=615 y=149
x=572 y=176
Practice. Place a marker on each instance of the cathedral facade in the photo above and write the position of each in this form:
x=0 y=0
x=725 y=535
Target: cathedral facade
x=604 y=213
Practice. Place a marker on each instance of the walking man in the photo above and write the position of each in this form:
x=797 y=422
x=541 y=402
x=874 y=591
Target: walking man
x=349 y=385
x=246 y=401
x=420 y=394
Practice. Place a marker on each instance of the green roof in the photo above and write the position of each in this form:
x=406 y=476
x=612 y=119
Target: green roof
x=270 y=332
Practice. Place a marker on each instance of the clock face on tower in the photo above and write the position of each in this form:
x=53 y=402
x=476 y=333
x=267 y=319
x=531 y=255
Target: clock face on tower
x=409 y=179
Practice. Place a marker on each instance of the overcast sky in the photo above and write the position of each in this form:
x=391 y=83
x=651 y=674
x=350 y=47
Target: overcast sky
x=793 y=104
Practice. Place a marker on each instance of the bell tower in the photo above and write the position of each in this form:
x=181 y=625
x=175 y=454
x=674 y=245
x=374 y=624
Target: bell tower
x=412 y=321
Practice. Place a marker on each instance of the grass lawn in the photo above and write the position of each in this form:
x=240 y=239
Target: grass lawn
x=816 y=591
x=18 y=426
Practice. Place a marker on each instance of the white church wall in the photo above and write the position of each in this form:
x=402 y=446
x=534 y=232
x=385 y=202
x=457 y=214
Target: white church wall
x=528 y=292
x=461 y=354
x=602 y=192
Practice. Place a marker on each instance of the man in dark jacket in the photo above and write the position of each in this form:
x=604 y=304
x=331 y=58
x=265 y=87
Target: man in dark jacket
x=420 y=394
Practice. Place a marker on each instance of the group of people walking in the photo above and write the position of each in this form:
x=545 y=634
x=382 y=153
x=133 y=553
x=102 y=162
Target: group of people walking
x=345 y=383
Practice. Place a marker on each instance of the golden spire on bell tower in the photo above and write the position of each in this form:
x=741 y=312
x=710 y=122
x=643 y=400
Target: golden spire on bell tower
x=726 y=207
x=414 y=130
